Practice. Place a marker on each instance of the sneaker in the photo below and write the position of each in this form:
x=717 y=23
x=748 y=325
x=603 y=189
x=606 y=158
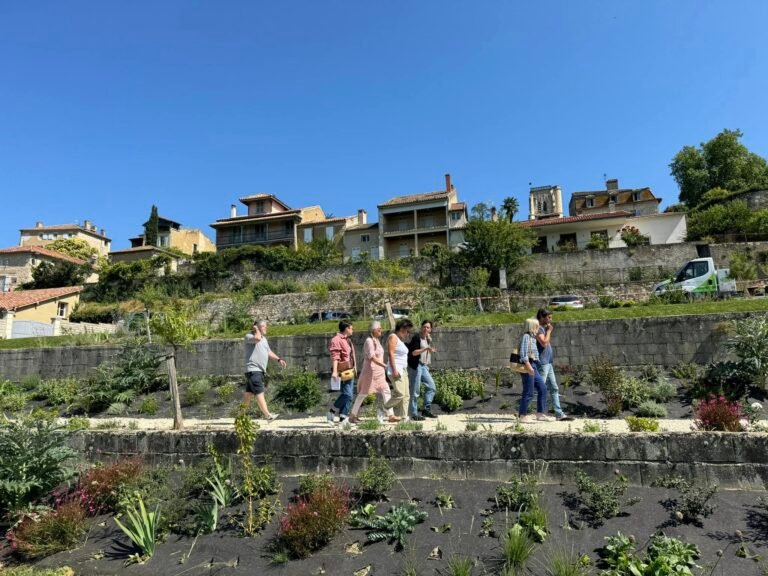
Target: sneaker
x=526 y=419
x=428 y=414
x=544 y=418
x=272 y=417
x=417 y=418
x=330 y=416
x=565 y=418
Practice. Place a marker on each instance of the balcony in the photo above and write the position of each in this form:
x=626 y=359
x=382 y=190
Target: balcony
x=269 y=238
x=423 y=228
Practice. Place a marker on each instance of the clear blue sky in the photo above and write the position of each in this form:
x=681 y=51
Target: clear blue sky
x=107 y=107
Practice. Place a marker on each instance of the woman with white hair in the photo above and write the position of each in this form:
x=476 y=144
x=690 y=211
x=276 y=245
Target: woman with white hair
x=372 y=378
x=529 y=358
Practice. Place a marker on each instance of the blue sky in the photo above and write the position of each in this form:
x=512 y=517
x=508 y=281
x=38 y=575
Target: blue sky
x=108 y=107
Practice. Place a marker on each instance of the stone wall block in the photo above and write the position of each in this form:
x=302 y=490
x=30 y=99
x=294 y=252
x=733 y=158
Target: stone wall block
x=648 y=447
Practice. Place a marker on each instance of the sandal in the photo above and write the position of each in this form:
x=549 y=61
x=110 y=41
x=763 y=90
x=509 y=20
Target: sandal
x=393 y=419
x=353 y=419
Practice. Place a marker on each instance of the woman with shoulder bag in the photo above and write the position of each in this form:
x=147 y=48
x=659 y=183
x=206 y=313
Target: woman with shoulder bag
x=372 y=378
x=529 y=358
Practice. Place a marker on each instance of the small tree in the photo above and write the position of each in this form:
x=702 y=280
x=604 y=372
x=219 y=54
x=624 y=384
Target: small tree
x=633 y=238
x=58 y=275
x=174 y=328
x=499 y=245
x=151 y=228
x=481 y=211
x=74 y=247
x=749 y=343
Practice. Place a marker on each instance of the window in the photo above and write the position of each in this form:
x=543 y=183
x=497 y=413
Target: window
x=288 y=228
x=546 y=208
x=599 y=234
x=429 y=222
x=455 y=216
x=635 y=196
x=329 y=232
x=365 y=238
x=237 y=235
x=590 y=202
x=307 y=235
x=260 y=231
x=259 y=208
x=404 y=251
x=693 y=270
x=163 y=241
x=403 y=224
x=61 y=311
x=194 y=248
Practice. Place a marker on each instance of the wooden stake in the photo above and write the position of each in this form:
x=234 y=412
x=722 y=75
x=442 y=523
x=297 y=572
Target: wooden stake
x=178 y=422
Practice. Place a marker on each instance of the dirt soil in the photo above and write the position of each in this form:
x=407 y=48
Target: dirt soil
x=445 y=533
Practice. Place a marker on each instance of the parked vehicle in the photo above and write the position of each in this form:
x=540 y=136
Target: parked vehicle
x=699 y=276
x=569 y=301
x=396 y=312
x=330 y=315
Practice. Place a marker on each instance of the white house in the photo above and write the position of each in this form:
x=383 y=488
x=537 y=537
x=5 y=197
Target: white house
x=575 y=232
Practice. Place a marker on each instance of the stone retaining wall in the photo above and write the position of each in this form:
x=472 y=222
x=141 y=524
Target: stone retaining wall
x=729 y=459
x=664 y=341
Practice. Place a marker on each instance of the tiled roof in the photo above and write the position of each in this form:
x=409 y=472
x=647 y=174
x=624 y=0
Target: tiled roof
x=305 y=224
x=145 y=248
x=76 y=227
x=441 y=195
x=257 y=218
x=24 y=298
x=569 y=219
x=458 y=206
x=363 y=226
x=263 y=196
x=42 y=252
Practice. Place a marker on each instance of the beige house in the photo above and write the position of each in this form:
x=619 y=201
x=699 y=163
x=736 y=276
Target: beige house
x=42 y=235
x=575 y=232
x=636 y=201
x=171 y=234
x=408 y=223
x=17 y=264
x=361 y=240
x=29 y=313
x=271 y=222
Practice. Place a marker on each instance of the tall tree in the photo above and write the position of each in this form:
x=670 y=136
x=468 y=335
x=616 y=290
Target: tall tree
x=497 y=245
x=151 y=228
x=722 y=162
x=481 y=211
x=58 y=275
x=510 y=207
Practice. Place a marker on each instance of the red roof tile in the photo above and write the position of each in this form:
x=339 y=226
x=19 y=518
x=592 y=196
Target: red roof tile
x=24 y=298
x=42 y=252
x=458 y=206
x=569 y=219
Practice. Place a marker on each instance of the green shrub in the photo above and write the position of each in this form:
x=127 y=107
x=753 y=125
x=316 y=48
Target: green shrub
x=314 y=482
x=664 y=391
x=637 y=424
x=449 y=401
x=608 y=380
x=376 y=478
x=32 y=571
x=299 y=390
x=264 y=287
x=633 y=391
x=77 y=423
x=59 y=392
x=686 y=371
x=370 y=424
x=517 y=493
x=727 y=378
x=225 y=392
x=517 y=548
x=265 y=481
x=749 y=342
x=409 y=426
x=650 y=373
x=466 y=384
x=31 y=382
x=395 y=525
x=196 y=392
x=534 y=519
x=651 y=409
x=149 y=406
x=601 y=501
x=11 y=398
x=34 y=459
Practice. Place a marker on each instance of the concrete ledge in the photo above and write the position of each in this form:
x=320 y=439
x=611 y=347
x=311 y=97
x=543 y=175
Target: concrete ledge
x=733 y=460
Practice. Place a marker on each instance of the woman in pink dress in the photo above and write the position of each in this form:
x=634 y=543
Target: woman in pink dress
x=372 y=378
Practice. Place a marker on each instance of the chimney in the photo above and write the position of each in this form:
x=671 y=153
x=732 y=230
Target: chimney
x=233 y=211
x=362 y=216
x=103 y=232
x=448 y=185
x=87 y=224
x=38 y=224
x=494 y=214
x=612 y=184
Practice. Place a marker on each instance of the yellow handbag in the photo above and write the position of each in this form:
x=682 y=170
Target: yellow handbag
x=347 y=375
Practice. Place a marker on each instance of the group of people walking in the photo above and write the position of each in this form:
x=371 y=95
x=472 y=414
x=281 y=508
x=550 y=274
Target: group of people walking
x=395 y=371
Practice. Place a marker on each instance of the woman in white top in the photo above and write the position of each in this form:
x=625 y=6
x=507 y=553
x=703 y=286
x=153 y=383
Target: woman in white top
x=397 y=367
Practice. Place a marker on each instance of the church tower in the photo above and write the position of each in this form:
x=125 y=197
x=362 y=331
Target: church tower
x=545 y=202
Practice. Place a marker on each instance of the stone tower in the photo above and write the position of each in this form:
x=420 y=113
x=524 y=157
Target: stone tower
x=545 y=202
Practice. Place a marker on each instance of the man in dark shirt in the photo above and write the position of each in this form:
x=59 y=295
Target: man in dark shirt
x=546 y=360
x=420 y=352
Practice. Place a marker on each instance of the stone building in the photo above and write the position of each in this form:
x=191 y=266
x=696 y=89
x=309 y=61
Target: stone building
x=636 y=201
x=18 y=263
x=42 y=235
x=545 y=202
x=171 y=234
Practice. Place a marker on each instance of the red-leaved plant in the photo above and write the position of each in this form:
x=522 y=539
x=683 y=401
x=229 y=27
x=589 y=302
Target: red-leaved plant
x=311 y=522
x=718 y=413
x=99 y=488
x=37 y=536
